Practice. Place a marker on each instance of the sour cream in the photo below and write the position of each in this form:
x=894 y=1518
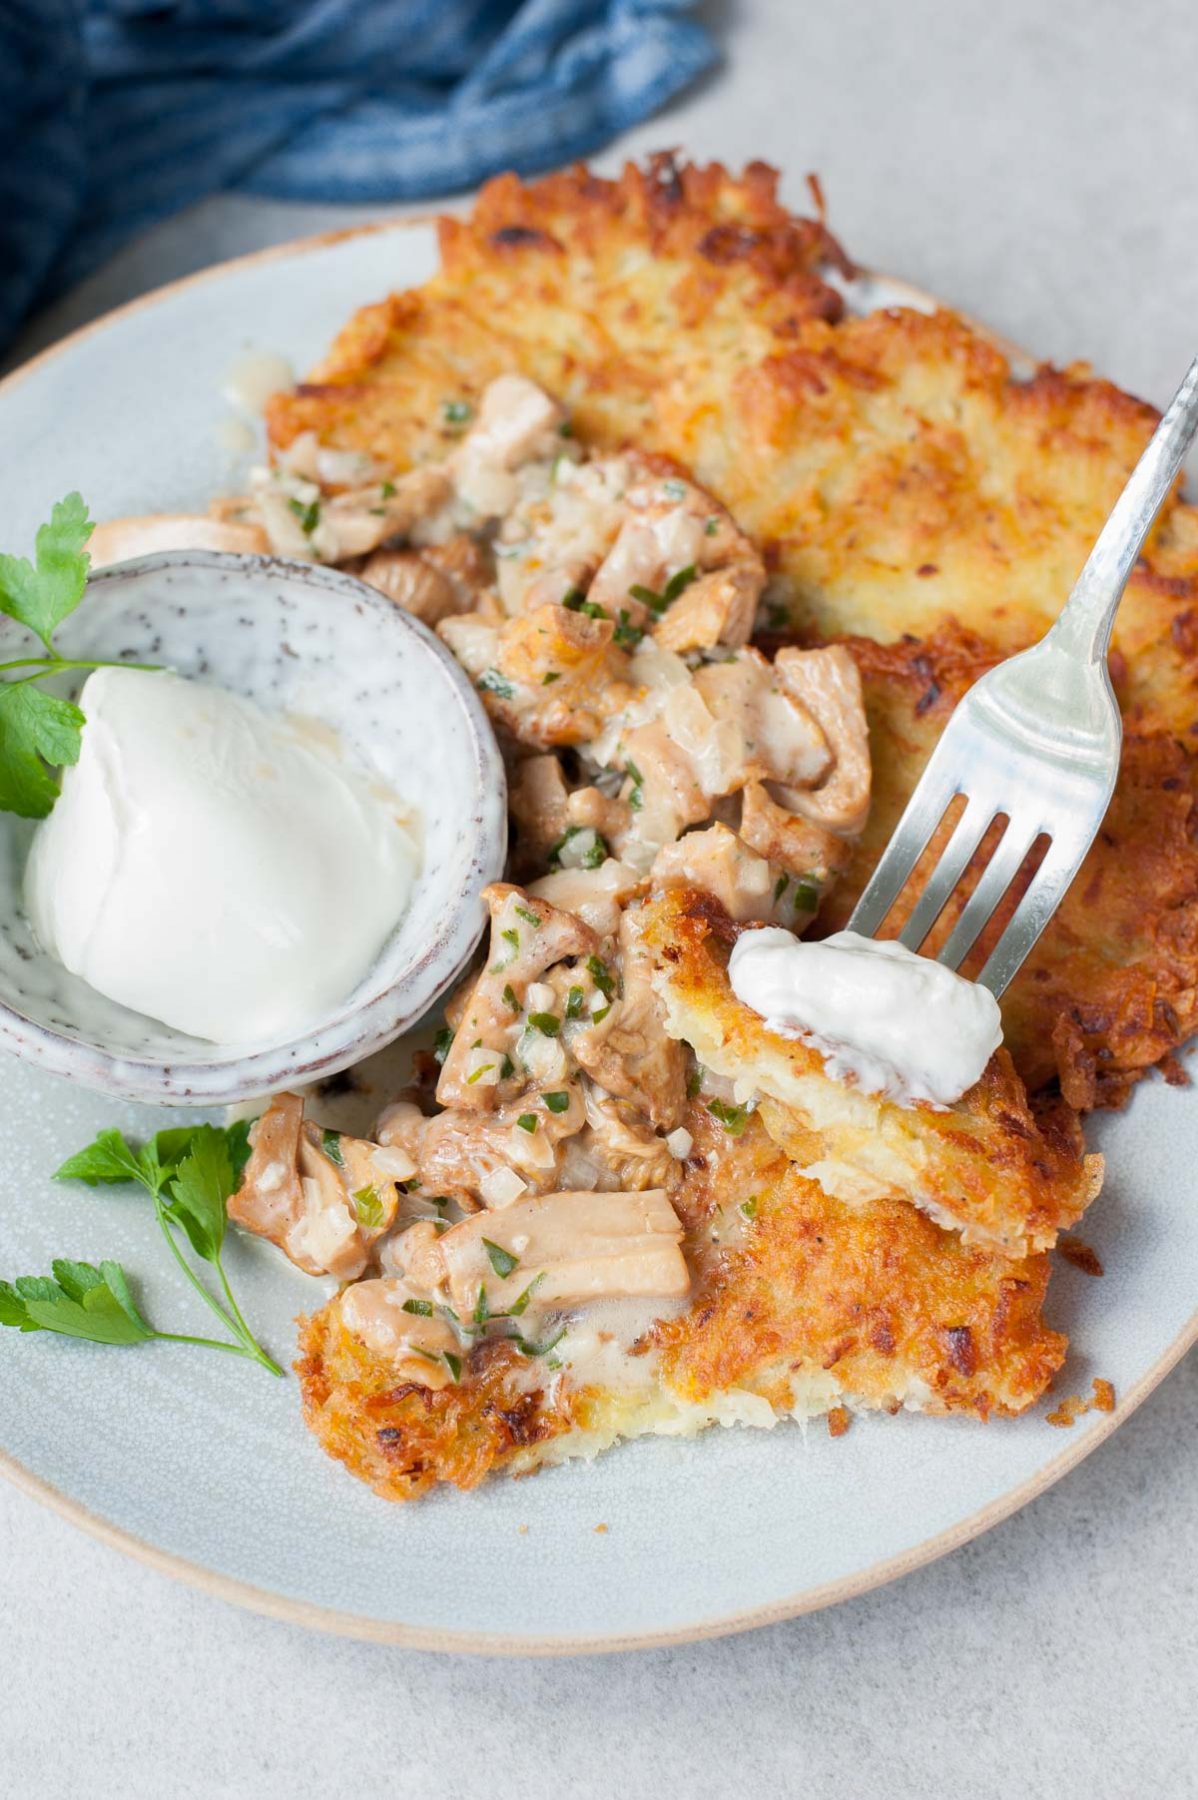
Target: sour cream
x=213 y=866
x=893 y=1023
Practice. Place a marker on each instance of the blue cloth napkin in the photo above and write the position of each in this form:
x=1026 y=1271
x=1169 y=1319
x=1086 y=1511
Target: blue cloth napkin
x=114 y=113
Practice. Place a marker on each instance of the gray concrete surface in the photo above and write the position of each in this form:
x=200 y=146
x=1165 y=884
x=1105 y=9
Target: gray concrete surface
x=1037 y=165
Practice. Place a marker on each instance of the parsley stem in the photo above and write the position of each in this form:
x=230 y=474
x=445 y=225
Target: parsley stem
x=213 y=1306
x=182 y=1337
x=253 y=1347
x=55 y=665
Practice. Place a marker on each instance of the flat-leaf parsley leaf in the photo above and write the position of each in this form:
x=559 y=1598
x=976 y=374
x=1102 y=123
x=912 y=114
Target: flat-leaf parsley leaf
x=41 y=732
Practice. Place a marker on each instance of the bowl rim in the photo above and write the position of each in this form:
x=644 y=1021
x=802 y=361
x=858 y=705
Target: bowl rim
x=365 y=1029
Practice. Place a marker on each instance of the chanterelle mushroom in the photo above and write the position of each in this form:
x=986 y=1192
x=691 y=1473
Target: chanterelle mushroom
x=717 y=861
x=628 y=1052
x=828 y=684
x=801 y=846
x=116 y=540
x=528 y=936
x=412 y=583
x=573 y=1246
x=516 y=422
x=322 y=1197
x=415 y=1343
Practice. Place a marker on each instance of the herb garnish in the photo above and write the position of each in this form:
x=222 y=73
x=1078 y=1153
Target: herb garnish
x=657 y=603
x=576 y=601
x=574 y=1001
x=558 y=1101
x=492 y=682
x=81 y=1301
x=593 y=856
x=732 y=1118
x=330 y=1143
x=442 y=1043
x=307 y=512
x=547 y=1023
x=529 y=1349
x=456 y=412
x=530 y=918
x=527 y=1122
x=501 y=1260
x=368 y=1207
x=627 y=635
x=41 y=733
x=189 y=1173
x=422 y=1308
x=601 y=975
x=509 y=997
x=678 y=583
x=520 y=1304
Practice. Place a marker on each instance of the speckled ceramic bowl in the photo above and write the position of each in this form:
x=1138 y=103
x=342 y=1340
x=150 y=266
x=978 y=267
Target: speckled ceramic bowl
x=307 y=641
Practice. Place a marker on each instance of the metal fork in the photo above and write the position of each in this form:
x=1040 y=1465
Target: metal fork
x=1036 y=739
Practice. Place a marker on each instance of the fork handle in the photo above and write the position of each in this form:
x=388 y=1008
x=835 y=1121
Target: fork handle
x=1083 y=626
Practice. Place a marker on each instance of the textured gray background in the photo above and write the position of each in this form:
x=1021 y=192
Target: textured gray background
x=1036 y=164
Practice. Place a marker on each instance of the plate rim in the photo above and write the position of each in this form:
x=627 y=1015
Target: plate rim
x=331 y=1620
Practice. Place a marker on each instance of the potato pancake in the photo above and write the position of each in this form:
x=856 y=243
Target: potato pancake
x=626 y=421
x=1112 y=986
x=901 y=481
x=800 y=1305
x=984 y=1165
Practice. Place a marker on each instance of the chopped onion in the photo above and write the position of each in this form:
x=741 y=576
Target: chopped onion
x=499 y=1187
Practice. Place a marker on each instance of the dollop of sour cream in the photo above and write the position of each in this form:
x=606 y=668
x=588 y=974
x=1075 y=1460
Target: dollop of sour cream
x=893 y=1023
x=213 y=866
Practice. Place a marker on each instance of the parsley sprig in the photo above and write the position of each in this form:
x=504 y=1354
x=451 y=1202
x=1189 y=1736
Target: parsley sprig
x=40 y=732
x=189 y=1174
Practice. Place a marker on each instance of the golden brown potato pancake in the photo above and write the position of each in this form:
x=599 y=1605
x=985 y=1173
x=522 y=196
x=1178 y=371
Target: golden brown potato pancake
x=1112 y=986
x=984 y=1165
x=898 y=477
x=915 y=498
x=892 y=467
x=800 y=1304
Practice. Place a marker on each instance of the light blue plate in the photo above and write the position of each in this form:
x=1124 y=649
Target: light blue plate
x=202 y=1465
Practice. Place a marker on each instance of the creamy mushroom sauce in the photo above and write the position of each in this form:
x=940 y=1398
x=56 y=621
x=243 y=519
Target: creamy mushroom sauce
x=603 y=606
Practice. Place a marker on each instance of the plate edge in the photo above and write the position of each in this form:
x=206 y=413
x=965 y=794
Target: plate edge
x=447 y=1642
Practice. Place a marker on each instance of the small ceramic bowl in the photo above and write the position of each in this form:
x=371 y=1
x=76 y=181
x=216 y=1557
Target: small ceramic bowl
x=308 y=641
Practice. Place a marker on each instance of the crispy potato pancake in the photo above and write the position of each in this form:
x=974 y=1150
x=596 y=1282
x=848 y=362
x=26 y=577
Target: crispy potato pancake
x=984 y=1165
x=1112 y=986
x=898 y=477
x=892 y=467
x=621 y=298
x=800 y=1304
x=915 y=499
x=892 y=1308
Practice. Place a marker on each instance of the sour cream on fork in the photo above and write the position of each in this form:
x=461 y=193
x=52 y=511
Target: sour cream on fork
x=891 y=1022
